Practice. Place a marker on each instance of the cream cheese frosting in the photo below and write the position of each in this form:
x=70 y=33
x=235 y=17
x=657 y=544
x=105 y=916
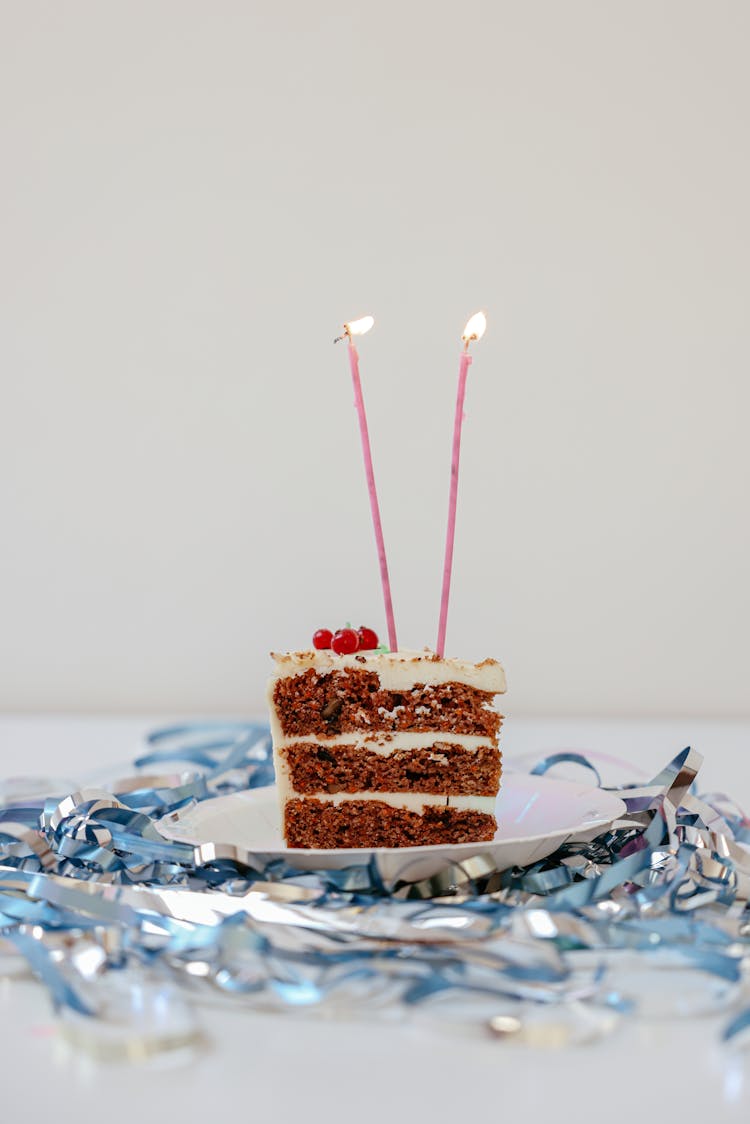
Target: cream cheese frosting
x=413 y=801
x=386 y=744
x=398 y=671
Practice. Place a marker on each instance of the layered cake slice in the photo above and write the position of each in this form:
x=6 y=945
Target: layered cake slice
x=394 y=749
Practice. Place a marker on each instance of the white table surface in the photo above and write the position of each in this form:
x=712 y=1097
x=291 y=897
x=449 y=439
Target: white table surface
x=292 y=1067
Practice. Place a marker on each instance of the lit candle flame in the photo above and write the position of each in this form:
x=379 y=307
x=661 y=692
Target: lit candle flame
x=475 y=328
x=359 y=327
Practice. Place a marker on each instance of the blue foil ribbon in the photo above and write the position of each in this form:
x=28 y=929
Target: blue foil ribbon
x=89 y=872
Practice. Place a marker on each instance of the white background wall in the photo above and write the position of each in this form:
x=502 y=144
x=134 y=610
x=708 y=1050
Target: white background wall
x=193 y=197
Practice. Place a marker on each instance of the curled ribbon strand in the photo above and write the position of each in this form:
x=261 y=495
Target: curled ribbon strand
x=88 y=879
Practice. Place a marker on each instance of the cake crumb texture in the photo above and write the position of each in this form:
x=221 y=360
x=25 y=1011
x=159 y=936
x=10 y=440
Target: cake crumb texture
x=442 y=768
x=344 y=701
x=370 y=823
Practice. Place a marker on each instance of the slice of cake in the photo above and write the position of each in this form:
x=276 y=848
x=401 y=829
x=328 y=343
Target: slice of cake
x=395 y=749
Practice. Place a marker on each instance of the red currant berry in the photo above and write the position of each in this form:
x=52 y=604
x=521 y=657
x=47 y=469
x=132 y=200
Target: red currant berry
x=345 y=641
x=322 y=638
x=367 y=639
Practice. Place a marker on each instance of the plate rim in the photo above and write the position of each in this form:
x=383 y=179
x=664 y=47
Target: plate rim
x=426 y=849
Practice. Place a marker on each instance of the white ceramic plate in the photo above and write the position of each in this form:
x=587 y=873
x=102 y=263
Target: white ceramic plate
x=536 y=815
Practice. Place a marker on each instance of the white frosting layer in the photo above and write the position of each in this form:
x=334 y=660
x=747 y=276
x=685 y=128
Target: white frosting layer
x=386 y=744
x=398 y=671
x=414 y=801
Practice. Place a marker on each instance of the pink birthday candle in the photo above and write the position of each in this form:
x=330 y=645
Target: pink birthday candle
x=358 y=328
x=474 y=330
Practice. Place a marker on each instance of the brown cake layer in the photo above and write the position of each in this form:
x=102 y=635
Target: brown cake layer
x=342 y=701
x=444 y=768
x=370 y=823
